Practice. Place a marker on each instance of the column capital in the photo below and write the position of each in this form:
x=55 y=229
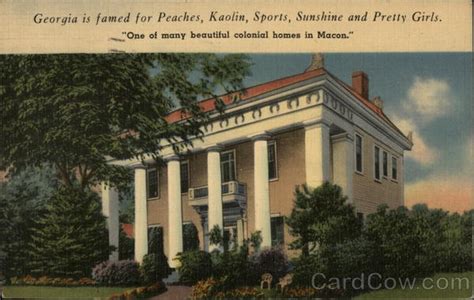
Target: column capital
x=316 y=123
x=138 y=166
x=215 y=148
x=170 y=158
x=342 y=137
x=263 y=136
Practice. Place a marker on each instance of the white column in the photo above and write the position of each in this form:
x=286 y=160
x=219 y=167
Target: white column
x=262 y=195
x=110 y=209
x=175 y=217
x=317 y=156
x=141 y=224
x=343 y=163
x=214 y=185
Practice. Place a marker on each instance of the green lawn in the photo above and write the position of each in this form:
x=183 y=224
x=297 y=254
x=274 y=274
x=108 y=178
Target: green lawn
x=61 y=292
x=450 y=286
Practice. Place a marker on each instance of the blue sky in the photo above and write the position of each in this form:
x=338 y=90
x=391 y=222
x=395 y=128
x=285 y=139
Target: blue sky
x=429 y=93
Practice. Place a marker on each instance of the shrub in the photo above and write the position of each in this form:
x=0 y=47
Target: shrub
x=304 y=269
x=50 y=281
x=141 y=292
x=348 y=259
x=205 y=288
x=273 y=261
x=233 y=267
x=300 y=292
x=154 y=268
x=195 y=266
x=398 y=246
x=256 y=240
x=121 y=273
x=215 y=236
x=309 y=292
x=239 y=293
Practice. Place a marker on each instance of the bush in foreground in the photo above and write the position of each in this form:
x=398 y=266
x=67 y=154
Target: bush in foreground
x=141 y=292
x=195 y=266
x=117 y=273
x=154 y=268
x=271 y=260
x=51 y=281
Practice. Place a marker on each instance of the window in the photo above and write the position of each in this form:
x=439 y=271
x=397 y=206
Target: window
x=272 y=161
x=184 y=176
x=155 y=240
x=277 y=227
x=385 y=163
x=358 y=153
x=228 y=165
x=376 y=163
x=152 y=183
x=394 y=168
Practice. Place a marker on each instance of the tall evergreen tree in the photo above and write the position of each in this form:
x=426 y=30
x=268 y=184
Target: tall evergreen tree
x=22 y=199
x=321 y=217
x=71 y=237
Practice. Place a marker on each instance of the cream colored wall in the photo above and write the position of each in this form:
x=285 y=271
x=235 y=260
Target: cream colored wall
x=369 y=193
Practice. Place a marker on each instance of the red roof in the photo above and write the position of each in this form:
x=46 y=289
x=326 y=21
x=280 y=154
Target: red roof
x=209 y=104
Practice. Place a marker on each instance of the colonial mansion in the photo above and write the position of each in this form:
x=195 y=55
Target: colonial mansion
x=303 y=129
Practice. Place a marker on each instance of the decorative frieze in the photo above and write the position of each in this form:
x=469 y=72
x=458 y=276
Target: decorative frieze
x=280 y=107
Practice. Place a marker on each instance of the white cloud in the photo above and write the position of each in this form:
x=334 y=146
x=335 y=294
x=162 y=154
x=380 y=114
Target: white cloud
x=429 y=98
x=421 y=152
x=426 y=100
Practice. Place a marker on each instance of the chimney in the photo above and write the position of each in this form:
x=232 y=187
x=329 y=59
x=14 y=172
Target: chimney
x=378 y=102
x=360 y=83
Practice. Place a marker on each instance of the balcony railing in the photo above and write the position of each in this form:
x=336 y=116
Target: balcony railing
x=231 y=190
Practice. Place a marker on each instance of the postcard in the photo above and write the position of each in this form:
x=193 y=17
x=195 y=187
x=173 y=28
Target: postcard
x=236 y=149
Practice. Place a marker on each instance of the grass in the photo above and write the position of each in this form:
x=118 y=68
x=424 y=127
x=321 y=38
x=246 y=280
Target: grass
x=61 y=292
x=444 y=286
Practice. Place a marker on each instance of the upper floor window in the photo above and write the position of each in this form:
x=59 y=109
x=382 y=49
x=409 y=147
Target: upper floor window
x=184 y=176
x=152 y=183
x=385 y=164
x=394 y=168
x=376 y=163
x=358 y=144
x=228 y=166
x=272 y=161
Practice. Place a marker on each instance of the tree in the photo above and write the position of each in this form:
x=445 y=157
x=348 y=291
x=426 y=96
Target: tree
x=22 y=200
x=429 y=231
x=321 y=217
x=74 y=111
x=398 y=248
x=71 y=237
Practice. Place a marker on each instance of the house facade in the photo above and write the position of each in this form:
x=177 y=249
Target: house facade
x=303 y=129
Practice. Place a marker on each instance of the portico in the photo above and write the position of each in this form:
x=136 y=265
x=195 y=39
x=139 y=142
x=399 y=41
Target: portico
x=241 y=175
